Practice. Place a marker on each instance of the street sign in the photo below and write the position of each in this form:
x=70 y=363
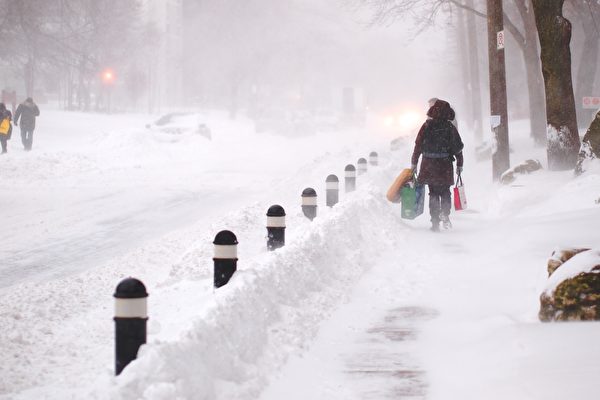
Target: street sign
x=495 y=121
x=592 y=103
x=500 y=40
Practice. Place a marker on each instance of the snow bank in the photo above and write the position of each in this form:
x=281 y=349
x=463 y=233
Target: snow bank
x=270 y=307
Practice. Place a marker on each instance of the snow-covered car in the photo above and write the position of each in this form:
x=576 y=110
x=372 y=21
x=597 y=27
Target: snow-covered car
x=179 y=123
x=287 y=123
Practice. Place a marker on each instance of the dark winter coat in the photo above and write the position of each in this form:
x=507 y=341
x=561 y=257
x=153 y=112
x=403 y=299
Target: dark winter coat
x=27 y=111
x=437 y=168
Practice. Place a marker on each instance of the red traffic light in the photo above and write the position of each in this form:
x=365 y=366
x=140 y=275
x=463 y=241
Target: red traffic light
x=108 y=76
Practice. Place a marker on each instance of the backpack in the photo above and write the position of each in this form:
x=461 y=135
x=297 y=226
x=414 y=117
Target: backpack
x=440 y=141
x=5 y=127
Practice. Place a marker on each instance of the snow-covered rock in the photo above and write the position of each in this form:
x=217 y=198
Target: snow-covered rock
x=525 y=167
x=572 y=292
x=560 y=256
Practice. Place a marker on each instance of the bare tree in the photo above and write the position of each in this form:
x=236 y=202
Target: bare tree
x=587 y=13
x=474 y=73
x=69 y=40
x=528 y=43
x=425 y=12
x=554 y=33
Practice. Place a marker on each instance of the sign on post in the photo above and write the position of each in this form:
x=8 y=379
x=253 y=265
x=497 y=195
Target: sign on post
x=495 y=121
x=500 y=40
x=591 y=103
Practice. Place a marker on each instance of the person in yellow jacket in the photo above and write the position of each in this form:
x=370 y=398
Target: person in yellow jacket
x=5 y=127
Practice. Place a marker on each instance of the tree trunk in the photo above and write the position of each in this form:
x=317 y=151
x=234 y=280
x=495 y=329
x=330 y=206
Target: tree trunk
x=29 y=76
x=535 y=83
x=554 y=32
x=586 y=73
x=474 y=74
x=498 y=101
x=462 y=43
x=590 y=148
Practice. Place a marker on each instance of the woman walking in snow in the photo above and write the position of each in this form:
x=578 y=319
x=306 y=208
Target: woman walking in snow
x=439 y=142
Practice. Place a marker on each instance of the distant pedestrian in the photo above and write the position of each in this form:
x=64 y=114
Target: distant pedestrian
x=27 y=112
x=439 y=143
x=5 y=127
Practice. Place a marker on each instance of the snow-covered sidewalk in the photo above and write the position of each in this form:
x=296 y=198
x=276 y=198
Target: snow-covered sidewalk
x=454 y=316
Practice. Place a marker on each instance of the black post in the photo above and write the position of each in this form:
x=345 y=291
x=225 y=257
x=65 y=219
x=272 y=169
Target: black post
x=350 y=181
x=275 y=227
x=309 y=203
x=332 y=186
x=131 y=316
x=225 y=258
x=374 y=158
x=362 y=166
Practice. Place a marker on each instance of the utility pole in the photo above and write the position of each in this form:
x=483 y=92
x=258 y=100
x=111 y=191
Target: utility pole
x=499 y=113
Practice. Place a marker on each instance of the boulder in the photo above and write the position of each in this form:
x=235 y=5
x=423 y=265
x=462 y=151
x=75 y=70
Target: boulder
x=525 y=167
x=572 y=292
x=559 y=256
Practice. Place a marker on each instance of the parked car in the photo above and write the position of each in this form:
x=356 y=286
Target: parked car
x=179 y=123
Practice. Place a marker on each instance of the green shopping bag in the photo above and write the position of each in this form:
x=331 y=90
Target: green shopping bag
x=413 y=199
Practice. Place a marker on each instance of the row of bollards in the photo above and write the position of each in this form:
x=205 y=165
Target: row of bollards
x=332 y=190
x=225 y=257
x=131 y=316
x=309 y=203
x=275 y=227
x=131 y=309
x=350 y=175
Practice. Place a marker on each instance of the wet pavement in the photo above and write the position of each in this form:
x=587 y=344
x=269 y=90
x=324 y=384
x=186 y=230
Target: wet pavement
x=381 y=364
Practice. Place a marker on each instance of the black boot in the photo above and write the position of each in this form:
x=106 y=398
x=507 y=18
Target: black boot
x=435 y=225
x=446 y=221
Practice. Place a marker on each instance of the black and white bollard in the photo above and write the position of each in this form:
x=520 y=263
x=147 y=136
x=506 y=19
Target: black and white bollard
x=131 y=316
x=374 y=158
x=350 y=175
x=225 y=257
x=309 y=203
x=332 y=186
x=362 y=166
x=275 y=227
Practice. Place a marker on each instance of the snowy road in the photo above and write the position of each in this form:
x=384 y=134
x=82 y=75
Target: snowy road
x=98 y=186
x=95 y=227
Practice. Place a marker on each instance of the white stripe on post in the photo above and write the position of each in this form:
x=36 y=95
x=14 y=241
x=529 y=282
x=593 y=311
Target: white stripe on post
x=332 y=185
x=225 y=251
x=309 y=201
x=276 y=222
x=131 y=308
x=350 y=174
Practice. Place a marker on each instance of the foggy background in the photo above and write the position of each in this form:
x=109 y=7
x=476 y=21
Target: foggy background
x=255 y=57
